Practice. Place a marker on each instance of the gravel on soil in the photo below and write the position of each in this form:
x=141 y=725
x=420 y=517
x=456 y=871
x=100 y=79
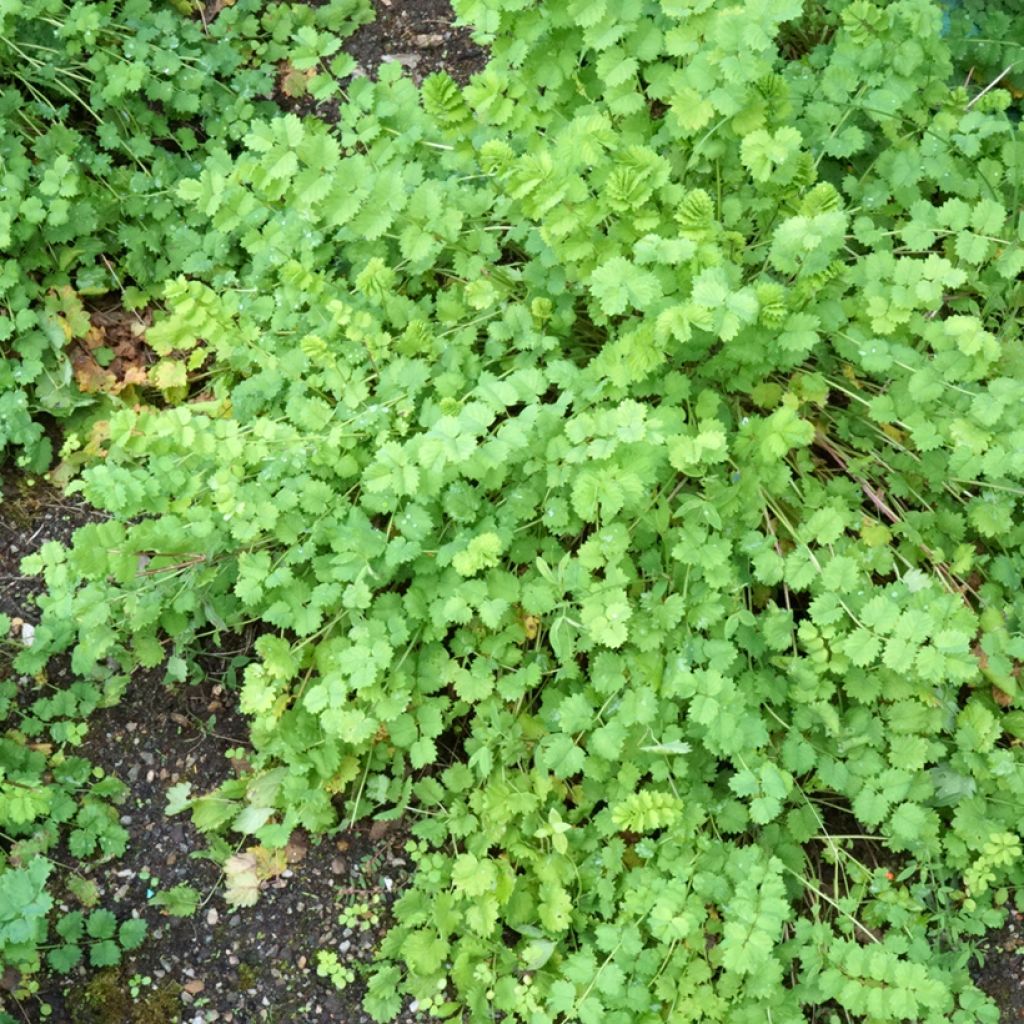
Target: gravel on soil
x=1001 y=972
x=420 y=36
x=30 y=515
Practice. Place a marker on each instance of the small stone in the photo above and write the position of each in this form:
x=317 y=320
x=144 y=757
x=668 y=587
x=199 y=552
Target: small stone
x=407 y=60
x=212 y=917
x=301 y=962
x=337 y=865
x=194 y=987
x=428 y=39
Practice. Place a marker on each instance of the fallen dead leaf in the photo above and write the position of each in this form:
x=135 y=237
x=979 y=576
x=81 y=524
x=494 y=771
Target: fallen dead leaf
x=379 y=829
x=1001 y=697
x=293 y=82
x=297 y=846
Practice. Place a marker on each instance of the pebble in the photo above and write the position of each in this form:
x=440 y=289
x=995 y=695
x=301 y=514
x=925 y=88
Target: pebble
x=407 y=60
x=212 y=917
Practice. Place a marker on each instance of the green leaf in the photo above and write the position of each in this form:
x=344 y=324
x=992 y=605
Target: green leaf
x=618 y=285
x=131 y=933
x=179 y=901
x=104 y=954
x=63 y=958
x=101 y=924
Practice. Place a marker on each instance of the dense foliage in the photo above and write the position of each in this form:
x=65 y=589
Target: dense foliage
x=620 y=458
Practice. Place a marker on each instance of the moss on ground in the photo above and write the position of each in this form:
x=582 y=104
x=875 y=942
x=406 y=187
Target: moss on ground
x=105 y=999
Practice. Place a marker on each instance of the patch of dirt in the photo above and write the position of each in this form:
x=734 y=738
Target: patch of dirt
x=31 y=515
x=1001 y=975
x=418 y=34
x=238 y=966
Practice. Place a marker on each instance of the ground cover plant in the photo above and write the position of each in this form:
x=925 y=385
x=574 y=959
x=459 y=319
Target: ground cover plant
x=619 y=459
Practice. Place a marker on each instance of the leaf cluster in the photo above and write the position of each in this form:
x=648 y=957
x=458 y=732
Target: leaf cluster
x=619 y=461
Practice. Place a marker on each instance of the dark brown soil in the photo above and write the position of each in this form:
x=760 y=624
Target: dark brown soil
x=243 y=965
x=1001 y=975
x=31 y=513
x=418 y=34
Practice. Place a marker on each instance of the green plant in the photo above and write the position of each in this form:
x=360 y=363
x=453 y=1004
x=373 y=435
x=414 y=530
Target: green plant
x=178 y=901
x=138 y=982
x=48 y=795
x=362 y=914
x=100 y=932
x=99 y=107
x=328 y=966
x=619 y=460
